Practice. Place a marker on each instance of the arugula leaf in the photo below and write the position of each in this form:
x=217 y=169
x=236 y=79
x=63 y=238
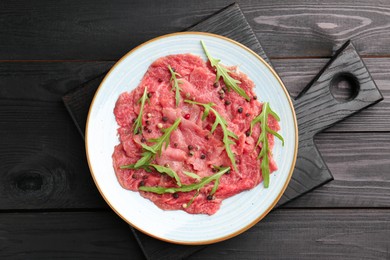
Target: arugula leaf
x=138 y=122
x=186 y=188
x=150 y=151
x=192 y=175
x=175 y=84
x=219 y=120
x=223 y=72
x=262 y=119
x=168 y=171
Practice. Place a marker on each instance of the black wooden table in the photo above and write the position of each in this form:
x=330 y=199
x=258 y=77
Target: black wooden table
x=49 y=205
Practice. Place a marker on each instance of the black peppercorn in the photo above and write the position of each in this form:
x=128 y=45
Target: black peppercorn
x=150 y=95
x=143 y=140
x=175 y=195
x=203 y=156
x=254 y=97
x=216 y=85
x=190 y=147
x=248 y=133
x=227 y=102
x=142 y=183
x=209 y=197
x=164 y=119
x=247 y=114
x=239 y=110
x=147 y=122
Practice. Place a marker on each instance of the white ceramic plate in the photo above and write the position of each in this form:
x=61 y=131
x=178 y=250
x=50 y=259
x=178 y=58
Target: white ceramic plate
x=237 y=213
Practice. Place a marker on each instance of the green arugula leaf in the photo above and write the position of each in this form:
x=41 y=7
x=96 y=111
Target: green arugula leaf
x=186 y=188
x=175 y=84
x=262 y=119
x=227 y=134
x=137 y=126
x=223 y=72
x=192 y=175
x=168 y=171
x=151 y=151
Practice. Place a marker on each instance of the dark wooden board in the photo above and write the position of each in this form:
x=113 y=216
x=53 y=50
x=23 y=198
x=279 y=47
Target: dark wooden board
x=317 y=109
x=66 y=235
x=295 y=73
x=284 y=234
x=101 y=30
x=360 y=165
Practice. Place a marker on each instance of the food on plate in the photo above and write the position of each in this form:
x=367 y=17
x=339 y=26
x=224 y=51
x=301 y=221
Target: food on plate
x=192 y=134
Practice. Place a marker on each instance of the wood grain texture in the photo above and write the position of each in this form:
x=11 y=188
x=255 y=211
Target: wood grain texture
x=310 y=234
x=91 y=30
x=283 y=234
x=100 y=30
x=45 y=81
x=43 y=163
x=303 y=28
x=78 y=235
x=295 y=74
x=317 y=109
x=360 y=165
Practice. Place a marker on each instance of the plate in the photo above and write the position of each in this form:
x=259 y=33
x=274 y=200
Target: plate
x=237 y=213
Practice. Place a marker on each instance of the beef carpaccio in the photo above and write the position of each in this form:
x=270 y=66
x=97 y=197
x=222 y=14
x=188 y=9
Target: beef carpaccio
x=193 y=145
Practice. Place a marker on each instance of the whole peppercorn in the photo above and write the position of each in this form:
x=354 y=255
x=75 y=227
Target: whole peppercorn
x=175 y=195
x=203 y=156
x=164 y=119
x=239 y=110
x=190 y=147
x=227 y=102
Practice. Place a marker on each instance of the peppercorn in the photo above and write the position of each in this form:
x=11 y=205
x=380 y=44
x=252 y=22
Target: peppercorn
x=164 y=119
x=142 y=183
x=203 y=156
x=191 y=153
x=143 y=140
x=248 y=133
x=247 y=114
x=209 y=197
x=224 y=89
x=175 y=195
x=149 y=131
x=227 y=102
x=147 y=122
x=255 y=97
x=239 y=110
x=216 y=85
x=221 y=97
x=221 y=92
x=134 y=176
x=175 y=145
x=190 y=147
x=150 y=95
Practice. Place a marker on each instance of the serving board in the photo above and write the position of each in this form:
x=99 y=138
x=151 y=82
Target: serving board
x=316 y=109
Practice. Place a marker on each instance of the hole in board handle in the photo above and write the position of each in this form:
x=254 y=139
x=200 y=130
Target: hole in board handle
x=344 y=86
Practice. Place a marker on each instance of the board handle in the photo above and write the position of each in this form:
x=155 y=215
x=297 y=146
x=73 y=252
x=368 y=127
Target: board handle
x=317 y=109
x=316 y=106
